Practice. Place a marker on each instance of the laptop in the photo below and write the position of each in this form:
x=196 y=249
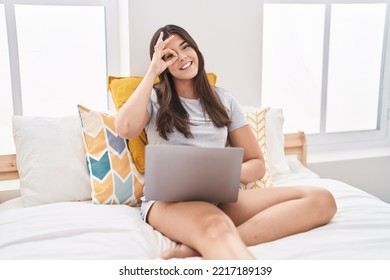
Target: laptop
x=188 y=173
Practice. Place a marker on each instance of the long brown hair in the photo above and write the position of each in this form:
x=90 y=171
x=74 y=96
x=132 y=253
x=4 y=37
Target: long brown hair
x=171 y=112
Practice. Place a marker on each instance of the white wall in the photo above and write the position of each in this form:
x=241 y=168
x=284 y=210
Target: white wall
x=369 y=174
x=228 y=34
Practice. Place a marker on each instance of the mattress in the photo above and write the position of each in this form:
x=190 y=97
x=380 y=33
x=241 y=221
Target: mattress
x=82 y=230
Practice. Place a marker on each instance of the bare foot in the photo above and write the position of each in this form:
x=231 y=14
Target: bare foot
x=182 y=251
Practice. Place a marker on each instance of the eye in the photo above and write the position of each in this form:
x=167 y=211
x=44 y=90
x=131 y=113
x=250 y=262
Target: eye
x=167 y=57
x=185 y=46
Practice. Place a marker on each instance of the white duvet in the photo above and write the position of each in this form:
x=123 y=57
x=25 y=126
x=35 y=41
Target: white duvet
x=80 y=230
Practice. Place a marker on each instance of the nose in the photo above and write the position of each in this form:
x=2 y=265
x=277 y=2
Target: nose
x=182 y=56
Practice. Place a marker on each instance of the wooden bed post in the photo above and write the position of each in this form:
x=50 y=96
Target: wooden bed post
x=295 y=144
x=8 y=168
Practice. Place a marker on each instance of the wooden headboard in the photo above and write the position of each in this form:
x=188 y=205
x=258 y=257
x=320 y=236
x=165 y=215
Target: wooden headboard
x=8 y=171
x=8 y=168
x=295 y=144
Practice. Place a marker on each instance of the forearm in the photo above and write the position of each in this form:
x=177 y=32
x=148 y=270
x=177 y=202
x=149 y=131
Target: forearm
x=130 y=119
x=251 y=170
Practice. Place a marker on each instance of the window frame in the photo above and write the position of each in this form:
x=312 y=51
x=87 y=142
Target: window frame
x=112 y=39
x=324 y=141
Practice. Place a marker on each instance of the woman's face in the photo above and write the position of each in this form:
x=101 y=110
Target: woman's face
x=186 y=65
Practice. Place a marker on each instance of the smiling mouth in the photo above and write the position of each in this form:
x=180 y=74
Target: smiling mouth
x=185 y=66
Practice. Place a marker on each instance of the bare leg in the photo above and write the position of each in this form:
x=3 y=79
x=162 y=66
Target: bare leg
x=182 y=251
x=263 y=215
x=202 y=227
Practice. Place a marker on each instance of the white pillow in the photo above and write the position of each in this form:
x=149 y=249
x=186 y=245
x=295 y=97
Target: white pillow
x=50 y=159
x=277 y=161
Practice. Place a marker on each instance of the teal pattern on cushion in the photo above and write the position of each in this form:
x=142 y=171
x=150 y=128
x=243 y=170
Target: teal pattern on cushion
x=123 y=190
x=100 y=168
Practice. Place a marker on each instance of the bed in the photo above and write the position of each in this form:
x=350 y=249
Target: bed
x=62 y=225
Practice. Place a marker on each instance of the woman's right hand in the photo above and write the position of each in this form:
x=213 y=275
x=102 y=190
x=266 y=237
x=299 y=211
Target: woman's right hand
x=163 y=57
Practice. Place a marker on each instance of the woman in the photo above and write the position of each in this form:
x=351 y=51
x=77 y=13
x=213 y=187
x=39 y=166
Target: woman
x=183 y=109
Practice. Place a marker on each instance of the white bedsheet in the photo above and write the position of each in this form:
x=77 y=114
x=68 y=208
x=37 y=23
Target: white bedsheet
x=359 y=230
x=79 y=230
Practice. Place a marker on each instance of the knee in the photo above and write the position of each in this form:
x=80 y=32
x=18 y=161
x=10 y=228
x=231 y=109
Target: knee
x=323 y=204
x=218 y=227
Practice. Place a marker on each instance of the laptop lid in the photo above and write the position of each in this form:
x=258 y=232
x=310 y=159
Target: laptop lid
x=188 y=173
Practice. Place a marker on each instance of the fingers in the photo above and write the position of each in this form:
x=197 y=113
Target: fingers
x=163 y=57
x=160 y=44
x=169 y=56
x=166 y=54
x=159 y=40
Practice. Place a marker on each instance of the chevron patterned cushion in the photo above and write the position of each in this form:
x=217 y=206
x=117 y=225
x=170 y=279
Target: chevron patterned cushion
x=109 y=162
x=257 y=121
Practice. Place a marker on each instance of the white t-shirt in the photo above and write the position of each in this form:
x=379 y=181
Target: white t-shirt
x=205 y=133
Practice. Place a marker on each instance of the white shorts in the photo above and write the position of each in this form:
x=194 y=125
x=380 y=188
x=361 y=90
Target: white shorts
x=147 y=204
x=145 y=207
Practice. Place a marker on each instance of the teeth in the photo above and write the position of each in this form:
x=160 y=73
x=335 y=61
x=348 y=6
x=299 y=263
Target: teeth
x=185 y=66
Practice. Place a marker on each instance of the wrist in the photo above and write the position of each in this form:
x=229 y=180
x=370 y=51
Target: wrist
x=151 y=75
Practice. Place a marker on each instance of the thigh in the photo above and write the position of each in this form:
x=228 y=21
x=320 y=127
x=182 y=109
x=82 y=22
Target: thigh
x=252 y=201
x=184 y=222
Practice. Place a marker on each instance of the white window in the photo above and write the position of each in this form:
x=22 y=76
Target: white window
x=292 y=63
x=55 y=55
x=324 y=63
x=6 y=107
x=62 y=62
x=354 y=72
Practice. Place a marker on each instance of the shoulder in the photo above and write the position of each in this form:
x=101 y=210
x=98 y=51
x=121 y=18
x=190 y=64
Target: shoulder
x=233 y=108
x=221 y=92
x=226 y=98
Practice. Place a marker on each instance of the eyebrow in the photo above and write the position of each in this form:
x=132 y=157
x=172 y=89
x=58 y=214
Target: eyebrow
x=182 y=43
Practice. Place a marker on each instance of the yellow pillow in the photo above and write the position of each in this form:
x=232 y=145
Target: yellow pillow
x=121 y=89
